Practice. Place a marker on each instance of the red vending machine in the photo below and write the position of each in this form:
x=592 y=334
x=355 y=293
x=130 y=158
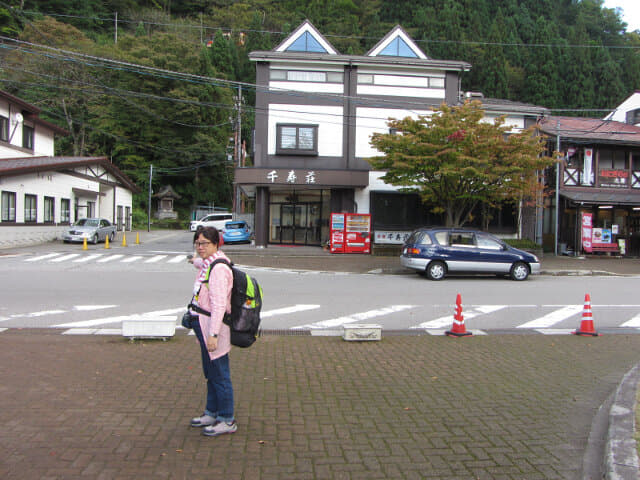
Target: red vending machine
x=350 y=233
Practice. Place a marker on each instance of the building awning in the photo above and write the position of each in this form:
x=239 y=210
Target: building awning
x=81 y=192
x=603 y=198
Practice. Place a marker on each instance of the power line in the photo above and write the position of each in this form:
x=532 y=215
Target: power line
x=345 y=37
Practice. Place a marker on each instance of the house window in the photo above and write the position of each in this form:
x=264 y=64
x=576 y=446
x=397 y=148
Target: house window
x=297 y=139
x=49 y=209
x=27 y=137
x=8 y=207
x=4 y=129
x=30 y=208
x=65 y=210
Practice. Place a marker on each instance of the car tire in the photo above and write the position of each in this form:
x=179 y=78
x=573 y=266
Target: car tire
x=436 y=270
x=519 y=271
x=94 y=240
x=112 y=235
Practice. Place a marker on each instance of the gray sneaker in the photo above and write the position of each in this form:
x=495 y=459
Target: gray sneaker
x=220 y=428
x=203 y=421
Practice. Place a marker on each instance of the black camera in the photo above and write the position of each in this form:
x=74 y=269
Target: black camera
x=188 y=318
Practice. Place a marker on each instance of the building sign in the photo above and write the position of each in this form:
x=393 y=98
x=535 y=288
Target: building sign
x=292 y=177
x=613 y=178
x=390 y=237
x=587 y=228
x=601 y=235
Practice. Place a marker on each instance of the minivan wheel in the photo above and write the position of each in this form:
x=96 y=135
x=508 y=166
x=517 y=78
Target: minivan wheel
x=519 y=271
x=436 y=270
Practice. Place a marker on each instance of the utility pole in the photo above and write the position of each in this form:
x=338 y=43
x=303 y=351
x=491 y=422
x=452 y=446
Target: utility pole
x=238 y=145
x=557 y=192
x=149 y=206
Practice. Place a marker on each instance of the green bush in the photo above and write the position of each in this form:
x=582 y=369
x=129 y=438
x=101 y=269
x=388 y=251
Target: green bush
x=523 y=243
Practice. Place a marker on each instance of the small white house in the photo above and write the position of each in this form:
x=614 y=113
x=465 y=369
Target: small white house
x=41 y=194
x=628 y=111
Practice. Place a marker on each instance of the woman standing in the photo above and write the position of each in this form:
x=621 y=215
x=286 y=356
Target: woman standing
x=212 y=293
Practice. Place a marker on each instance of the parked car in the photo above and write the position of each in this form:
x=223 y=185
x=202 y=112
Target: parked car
x=92 y=229
x=212 y=220
x=437 y=252
x=236 y=232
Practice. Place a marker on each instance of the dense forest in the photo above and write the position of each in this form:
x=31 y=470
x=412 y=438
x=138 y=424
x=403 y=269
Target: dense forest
x=166 y=83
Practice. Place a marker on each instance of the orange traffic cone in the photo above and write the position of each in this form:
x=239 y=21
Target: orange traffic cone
x=458 y=329
x=586 y=326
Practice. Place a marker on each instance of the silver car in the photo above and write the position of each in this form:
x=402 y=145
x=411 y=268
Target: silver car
x=93 y=230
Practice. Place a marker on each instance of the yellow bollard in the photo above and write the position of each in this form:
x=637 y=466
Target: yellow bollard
x=84 y=244
x=124 y=240
x=137 y=238
x=106 y=242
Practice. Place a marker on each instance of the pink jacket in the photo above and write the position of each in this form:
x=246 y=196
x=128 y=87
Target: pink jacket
x=216 y=298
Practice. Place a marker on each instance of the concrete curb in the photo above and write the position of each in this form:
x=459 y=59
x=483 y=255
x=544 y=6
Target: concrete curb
x=621 y=457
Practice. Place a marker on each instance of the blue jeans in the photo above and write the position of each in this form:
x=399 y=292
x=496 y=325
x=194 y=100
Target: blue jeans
x=218 y=375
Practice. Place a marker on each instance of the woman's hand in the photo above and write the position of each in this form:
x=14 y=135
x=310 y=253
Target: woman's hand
x=212 y=343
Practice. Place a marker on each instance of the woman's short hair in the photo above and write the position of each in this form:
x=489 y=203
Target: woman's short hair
x=210 y=233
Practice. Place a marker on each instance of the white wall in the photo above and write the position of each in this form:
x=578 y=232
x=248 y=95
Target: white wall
x=374 y=120
x=620 y=113
x=328 y=119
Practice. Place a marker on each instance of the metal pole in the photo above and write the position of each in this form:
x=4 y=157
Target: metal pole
x=149 y=205
x=557 y=195
x=116 y=29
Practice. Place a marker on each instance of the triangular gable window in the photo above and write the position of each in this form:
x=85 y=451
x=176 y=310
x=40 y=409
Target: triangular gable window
x=306 y=43
x=398 y=48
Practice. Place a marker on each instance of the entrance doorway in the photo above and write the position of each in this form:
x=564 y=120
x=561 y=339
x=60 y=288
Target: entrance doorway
x=295 y=223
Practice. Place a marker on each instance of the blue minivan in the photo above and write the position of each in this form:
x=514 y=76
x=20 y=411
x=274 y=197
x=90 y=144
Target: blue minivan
x=437 y=252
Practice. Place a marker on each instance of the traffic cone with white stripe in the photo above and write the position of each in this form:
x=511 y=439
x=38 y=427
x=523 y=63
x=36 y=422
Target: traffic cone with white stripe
x=458 y=329
x=586 y=325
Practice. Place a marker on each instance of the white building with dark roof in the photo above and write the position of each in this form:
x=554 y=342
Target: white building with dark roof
x=42 y=194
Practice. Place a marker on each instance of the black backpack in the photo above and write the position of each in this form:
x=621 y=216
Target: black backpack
x=246 y=303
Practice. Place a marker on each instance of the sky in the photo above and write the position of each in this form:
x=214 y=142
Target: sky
x=630 y=14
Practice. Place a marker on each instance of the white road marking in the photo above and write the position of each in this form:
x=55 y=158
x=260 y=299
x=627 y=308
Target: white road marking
x=119 y=318
x=178 y=259
x=552 y=318
x=634 y=322
x=132 y=259
x=65 y=257
x=356 y=317
x=466 y=314
x=93 y=256
x=42 y=257
x=155 y=259
x=110 y=258
x=86 y=308
x=287 y=310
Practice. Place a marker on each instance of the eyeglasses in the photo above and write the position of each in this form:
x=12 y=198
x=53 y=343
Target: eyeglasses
x=201 y=244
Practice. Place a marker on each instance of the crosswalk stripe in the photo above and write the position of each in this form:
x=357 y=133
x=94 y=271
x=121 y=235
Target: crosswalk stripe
x=65 y=257
x=552 y=318
x=177 y=259
x=88 y=257
x=119 y=318
x=287 y=310
x=42 y=257
x=467 y=314
x=110 y=258
x=135 y=258
x=155 y=259
x=634 y=322
x=356 y=317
